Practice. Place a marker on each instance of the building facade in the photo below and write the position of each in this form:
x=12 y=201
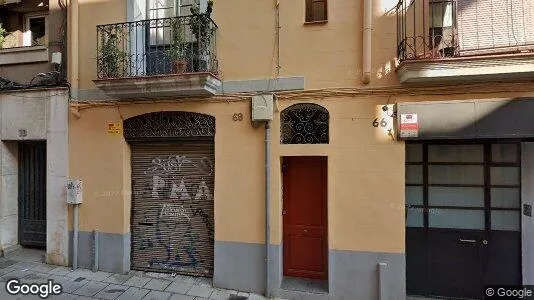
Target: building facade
x=303 y=149
x=34 y=101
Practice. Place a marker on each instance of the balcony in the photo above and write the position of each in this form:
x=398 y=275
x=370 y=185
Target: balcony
x=167 y=57
x=459 y=40
x=23 y=32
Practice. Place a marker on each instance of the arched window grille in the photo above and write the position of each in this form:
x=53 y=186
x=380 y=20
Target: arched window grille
x=304 y=123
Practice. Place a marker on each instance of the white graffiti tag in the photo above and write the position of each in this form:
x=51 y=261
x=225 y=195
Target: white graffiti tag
x=174 y=212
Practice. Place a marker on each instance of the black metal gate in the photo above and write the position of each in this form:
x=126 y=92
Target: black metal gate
x=32 y=194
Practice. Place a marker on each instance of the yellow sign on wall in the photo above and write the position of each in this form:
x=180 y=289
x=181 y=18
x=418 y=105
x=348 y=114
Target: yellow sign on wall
x=115 y=129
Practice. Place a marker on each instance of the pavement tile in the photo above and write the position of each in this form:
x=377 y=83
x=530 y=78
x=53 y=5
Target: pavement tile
x=73 y=284
x=220 y=294
x=133 y=293
x=16 y=274
x=112 y=291
x=203 y=281
x=84 y=298
x=256 y=297
x=137 y=281
x=63 y=296
x=186 y=279
x=61 y=271
x=200 y=291
x=30 y=297
x=201 y=298
x=43 y=268
x=4 y=295
x=182 y=297
x=91 y=288
x=157 y=284
x=117 y=278
x=96 y=276
x=4 y=263
x=179 y=287
x=157 y=295
x=243 y=294
x=34 y=277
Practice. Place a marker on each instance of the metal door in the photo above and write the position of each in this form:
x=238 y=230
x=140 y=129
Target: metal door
x=305 y=217
x=32 y=194
x=463 y=217
x=172 y=207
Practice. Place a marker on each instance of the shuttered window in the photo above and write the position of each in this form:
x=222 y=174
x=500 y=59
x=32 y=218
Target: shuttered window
x=316 y=10
x=488 y=25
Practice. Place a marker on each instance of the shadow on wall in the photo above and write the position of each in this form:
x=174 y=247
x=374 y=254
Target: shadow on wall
x=484 y=118
x=384 y=42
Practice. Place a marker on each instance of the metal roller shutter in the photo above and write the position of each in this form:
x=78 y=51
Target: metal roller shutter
x=172 y=207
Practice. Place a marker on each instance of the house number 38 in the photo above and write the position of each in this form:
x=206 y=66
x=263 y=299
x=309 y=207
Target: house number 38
x=237 y=117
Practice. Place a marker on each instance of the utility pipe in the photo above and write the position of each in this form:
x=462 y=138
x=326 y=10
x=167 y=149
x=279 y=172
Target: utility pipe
x=367 y=24
x=95 y=245
x=75 y=221
x=267 y=207
x=74 y=46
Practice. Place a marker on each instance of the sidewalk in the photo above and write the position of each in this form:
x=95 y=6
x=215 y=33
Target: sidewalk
x=85 y=284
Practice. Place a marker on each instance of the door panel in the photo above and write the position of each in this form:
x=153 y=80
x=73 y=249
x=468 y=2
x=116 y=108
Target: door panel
x=455 y=262
x=305 y=217
x=32 y=194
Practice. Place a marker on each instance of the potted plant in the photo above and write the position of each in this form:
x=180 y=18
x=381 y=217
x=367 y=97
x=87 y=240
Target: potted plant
x=112 y=58
x=202 y=29
x=176 y=49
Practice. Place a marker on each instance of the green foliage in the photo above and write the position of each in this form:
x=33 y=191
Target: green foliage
x=176 y=50
x=113 y=58
x=201 y=25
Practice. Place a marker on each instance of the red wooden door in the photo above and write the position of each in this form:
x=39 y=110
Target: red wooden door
x=305 y=217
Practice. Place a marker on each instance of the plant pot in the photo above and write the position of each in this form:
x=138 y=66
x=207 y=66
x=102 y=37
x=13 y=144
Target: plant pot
x=179 y=66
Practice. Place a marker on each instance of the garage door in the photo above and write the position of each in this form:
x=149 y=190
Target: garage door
x=172 y=207
x=463 y=218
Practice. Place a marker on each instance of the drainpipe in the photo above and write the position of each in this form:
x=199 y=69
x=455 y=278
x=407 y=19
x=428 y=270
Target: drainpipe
x=74 y=43
x=267 y=206
x=76 y=217
x=367 y=24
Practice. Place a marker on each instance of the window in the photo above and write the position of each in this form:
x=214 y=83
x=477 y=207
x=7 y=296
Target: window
x=442 y=25
x=304 y=124
x=36 y=26
x=316 y=10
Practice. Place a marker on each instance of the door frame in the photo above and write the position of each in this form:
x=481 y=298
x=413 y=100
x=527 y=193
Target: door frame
x=285 y=185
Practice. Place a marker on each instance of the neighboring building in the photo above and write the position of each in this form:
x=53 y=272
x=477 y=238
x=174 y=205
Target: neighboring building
x=34 y=101
x=396 y=163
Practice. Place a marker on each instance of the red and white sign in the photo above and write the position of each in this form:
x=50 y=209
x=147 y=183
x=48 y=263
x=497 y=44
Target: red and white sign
x=409 y=126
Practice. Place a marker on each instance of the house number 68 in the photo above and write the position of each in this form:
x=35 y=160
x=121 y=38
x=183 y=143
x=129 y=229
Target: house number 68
x=238 y=117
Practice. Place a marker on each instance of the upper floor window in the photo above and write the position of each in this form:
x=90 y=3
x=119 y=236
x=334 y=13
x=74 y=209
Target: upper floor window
x=304 y=123
x=316 y=10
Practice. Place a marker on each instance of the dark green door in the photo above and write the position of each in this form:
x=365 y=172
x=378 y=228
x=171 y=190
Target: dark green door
x=32 y=193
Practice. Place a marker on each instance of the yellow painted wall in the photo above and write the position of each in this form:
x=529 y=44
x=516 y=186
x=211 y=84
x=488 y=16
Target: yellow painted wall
x=365 y=183
x=327 y=55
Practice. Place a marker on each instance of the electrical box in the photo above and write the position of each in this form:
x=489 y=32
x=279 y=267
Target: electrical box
x=74 y=191
x=262 y=107
x=56 y=58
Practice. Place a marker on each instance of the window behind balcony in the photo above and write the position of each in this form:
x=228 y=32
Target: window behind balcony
x=316 y=10
x=441 y=31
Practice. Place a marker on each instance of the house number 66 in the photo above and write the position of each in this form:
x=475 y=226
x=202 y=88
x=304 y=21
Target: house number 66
x=238 y=117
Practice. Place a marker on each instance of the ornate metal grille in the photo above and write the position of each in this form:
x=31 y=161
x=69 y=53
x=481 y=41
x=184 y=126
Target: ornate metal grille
x=304 y=124
x=173 y=124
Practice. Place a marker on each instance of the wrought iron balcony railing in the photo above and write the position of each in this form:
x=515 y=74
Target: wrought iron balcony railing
x=434 y=29
x=157 y=47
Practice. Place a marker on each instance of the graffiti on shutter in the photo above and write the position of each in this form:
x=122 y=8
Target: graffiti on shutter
x=172 y=213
